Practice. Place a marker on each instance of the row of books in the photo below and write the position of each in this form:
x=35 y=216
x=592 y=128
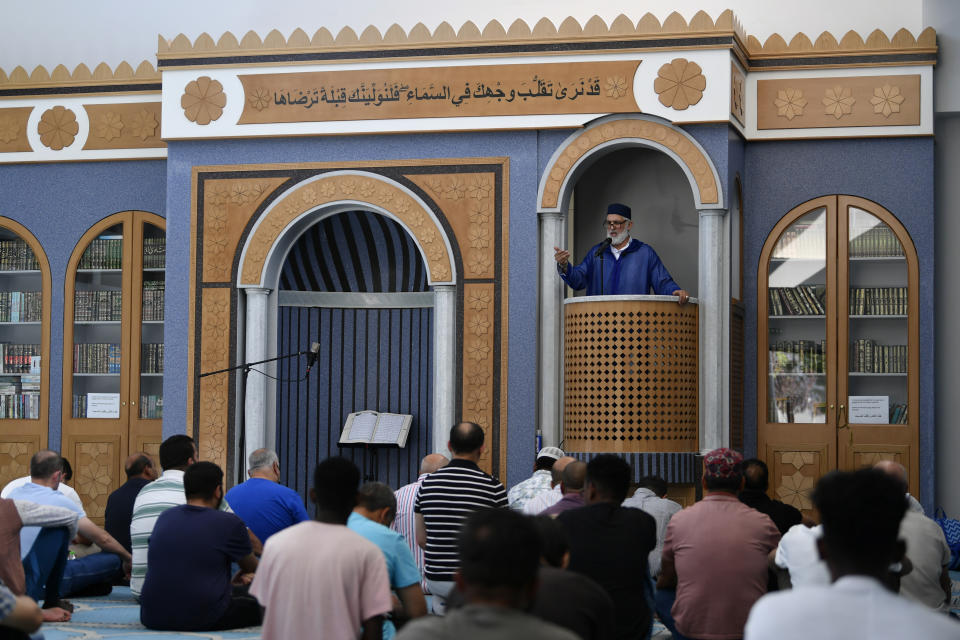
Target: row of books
x=154 y=253
x=151 y=357
x=105 y=252
x=97 y=305
x=96 y=358
x=898 y=414
x=803 y=240
x=866 y=356
x=805 y=300
x=153 y=291
x=16 y=255
x=21 y=306
x=79 y=406
x=878 y=301
x=874 y=242
x=797 y=356
x=19 y=358
x=151 y=406
x=14 y=406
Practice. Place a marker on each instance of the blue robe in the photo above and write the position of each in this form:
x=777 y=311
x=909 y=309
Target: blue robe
x=637 y=271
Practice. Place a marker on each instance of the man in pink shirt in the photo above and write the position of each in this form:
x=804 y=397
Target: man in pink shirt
x=320 y=579
x=715 y=555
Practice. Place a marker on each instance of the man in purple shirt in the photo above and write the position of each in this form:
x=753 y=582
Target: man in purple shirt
x=571 y=485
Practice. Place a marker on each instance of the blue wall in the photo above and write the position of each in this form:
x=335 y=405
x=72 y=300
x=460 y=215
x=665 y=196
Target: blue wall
x=895 y=173
x=58 y=203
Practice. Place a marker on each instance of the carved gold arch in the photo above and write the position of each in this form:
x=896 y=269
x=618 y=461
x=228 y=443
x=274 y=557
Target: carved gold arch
x=689 y=153
x=354 y=187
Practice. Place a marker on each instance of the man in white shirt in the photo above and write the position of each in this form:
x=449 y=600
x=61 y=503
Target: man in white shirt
x=540 y=482
x=861 y=514
x=650 y=496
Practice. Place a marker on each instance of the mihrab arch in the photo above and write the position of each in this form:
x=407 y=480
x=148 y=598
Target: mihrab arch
x=278 y=228
x=568 y=162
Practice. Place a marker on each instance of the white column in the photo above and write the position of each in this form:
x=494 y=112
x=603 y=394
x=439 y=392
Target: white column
x=444 y=364
x=255 y=401
x=714 y=301
x=552 y=228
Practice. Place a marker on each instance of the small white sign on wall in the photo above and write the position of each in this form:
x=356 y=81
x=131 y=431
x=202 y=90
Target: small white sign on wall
x=103 y=405
x=869 y=409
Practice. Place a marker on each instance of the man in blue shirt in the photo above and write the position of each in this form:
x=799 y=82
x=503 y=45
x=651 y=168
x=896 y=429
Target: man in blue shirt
x=619 y=265
x=263 y=504
x=376 y=508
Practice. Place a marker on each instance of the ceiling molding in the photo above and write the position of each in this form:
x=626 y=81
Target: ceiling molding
x=21 y=83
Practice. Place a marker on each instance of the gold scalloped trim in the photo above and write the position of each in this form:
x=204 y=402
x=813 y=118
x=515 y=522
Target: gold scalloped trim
x=545 y=31
x=102 y=74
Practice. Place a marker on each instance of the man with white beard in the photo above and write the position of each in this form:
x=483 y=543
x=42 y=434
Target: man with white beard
x=619 y=265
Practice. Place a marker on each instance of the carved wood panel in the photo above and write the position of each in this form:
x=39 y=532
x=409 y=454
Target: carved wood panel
x=97 y=463
x=794 y=472
x=15 y=453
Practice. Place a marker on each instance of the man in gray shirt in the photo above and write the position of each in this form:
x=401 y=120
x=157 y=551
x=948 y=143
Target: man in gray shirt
x=650 y=497
x=499 y=553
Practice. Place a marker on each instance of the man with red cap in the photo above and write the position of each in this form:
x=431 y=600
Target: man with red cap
x=715 y=555
x=619 y=264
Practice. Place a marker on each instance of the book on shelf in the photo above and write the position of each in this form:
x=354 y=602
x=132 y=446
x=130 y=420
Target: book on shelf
x=151 y=406
x=898 y=414
x=874 y=242
x=18 y=406
x=103 y=252
x=371 y=427
x=867 y=356
x=16 y=255
x=803 y=300
x=797 y=356
x=17 y=358
x=96 y=358
x=97 y=306
x=154 y=252
x=152 y=300
x=20 y=306
x=878 y=301
x=151 y=357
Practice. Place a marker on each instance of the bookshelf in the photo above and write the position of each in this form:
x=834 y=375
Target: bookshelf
x=837 y=326
x=113 y=343
x=24 y=336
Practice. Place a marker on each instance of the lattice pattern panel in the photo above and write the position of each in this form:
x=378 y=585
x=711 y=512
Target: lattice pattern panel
x=630 y=381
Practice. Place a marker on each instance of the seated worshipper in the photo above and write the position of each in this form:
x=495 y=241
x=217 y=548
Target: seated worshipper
x=63 y=488
x=928 y=582
x=188 y=586
x=619 y=265
x=861 y=514
x=61 y=522
x=611 y=544
x=265 y=505
x=571 y=485
x=444 y=501
x=177 y=453
x=375 y=510
x=521 y=493
x=499 y=557
x=406 y=521
x=567 y=598
x=19 y=615
x=715 y=555
x=756 y=481
x=41 y=549
x=547 y=499
x=116 y=518
x=650 y=496
x=797 y=554
x=319 y=579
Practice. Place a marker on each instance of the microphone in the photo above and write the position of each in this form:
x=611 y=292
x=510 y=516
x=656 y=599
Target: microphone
x=603 y=245
x=312 y=355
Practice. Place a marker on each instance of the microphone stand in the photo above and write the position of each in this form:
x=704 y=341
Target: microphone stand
x=601 y=252
x=246 y=366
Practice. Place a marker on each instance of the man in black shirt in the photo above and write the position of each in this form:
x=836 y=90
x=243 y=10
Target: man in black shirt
x=611 y=544
x=754 y=494
x=119 y=511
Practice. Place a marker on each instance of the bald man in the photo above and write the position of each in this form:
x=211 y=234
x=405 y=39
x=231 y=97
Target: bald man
x=406 y=523
x=116 y=518
x=549 y=498
x=927 y=550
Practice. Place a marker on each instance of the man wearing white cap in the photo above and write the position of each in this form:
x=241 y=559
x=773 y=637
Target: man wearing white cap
x=539 y=482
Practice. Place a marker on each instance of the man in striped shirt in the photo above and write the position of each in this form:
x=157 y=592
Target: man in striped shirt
x=445 y=500
x=176 y=454
x=406 y=523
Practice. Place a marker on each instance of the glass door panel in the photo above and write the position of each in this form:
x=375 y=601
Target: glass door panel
x=877 y=322
x=797 y=322
x=151 y=327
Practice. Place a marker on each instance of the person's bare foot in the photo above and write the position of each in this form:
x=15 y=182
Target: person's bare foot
x=56 y=614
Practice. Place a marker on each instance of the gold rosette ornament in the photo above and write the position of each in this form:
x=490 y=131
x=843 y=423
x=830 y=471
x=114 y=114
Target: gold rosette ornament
x=203 y=100
x=680 y=83
x=58 y=128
